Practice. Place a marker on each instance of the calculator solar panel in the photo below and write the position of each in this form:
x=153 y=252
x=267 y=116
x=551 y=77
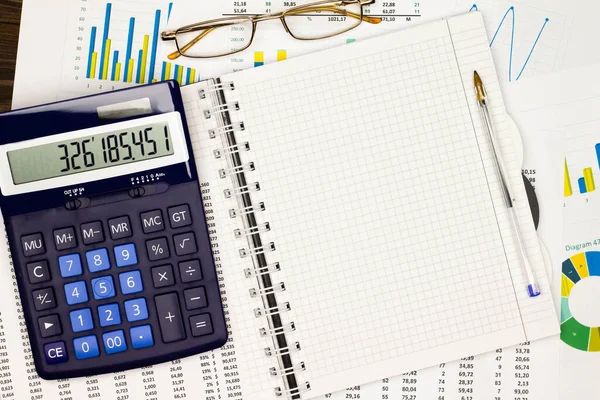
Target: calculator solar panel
x=115 y=268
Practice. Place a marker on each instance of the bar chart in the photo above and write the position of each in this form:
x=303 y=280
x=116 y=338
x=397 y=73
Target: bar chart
x=133 y=63
x=568 y=186
x=259 y=57
x=585 y=181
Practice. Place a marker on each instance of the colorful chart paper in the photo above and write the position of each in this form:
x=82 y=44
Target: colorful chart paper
x=573 y=332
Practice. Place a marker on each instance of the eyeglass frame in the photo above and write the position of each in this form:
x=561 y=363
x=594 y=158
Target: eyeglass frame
x=220 y=22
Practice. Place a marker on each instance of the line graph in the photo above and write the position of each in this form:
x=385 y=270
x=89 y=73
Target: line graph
x=511 y=12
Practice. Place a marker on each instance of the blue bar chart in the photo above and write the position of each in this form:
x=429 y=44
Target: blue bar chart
x=585 y=182
x=136 y=59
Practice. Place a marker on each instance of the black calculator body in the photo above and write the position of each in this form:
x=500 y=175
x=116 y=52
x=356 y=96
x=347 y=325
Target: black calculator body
x=108 y=236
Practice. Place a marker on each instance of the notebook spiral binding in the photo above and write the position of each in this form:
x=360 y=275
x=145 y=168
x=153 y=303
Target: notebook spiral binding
x=257 y=250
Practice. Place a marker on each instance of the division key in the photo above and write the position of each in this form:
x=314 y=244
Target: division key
x=169 y=317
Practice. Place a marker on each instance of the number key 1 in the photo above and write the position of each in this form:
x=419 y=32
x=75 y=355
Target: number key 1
x=81 y=320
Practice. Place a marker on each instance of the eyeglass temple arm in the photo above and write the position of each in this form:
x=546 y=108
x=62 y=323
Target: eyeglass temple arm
x=176 y=54
x=333 y=9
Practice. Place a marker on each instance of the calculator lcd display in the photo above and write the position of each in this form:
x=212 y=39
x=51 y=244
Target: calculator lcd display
x=104 y=150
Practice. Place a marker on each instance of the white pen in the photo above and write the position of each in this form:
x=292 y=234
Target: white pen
x=532 y=287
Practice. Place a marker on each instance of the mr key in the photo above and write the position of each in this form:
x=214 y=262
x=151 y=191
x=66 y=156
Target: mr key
x=121 y=275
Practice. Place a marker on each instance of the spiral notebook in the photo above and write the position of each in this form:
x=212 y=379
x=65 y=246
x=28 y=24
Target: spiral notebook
x=362 y=228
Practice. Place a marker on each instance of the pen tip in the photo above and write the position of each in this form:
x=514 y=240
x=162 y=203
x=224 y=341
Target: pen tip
x=479 y=90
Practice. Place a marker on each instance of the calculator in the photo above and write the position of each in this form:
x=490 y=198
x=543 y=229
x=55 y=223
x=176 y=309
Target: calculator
x=107 y=231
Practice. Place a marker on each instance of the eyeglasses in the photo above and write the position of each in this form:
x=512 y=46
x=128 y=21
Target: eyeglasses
x=225 y=36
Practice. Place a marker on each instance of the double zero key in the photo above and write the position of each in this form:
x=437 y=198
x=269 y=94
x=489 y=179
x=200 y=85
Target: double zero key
x=169 y=317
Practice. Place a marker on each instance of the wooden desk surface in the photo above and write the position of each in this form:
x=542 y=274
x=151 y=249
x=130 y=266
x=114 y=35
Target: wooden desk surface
x=10 y=17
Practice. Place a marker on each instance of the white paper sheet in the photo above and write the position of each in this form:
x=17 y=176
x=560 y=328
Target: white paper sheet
x=564 y=113
x=336 y=262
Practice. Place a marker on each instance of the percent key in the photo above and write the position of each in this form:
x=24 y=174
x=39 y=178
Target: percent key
x=157 y=249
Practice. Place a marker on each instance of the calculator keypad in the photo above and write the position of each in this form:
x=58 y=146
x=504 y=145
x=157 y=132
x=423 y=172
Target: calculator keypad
x=114 y=286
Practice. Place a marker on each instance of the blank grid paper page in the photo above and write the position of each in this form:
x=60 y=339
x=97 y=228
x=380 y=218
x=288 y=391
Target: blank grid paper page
x=384 y=205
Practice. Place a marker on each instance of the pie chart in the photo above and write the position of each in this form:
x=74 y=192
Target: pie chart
x=573 y=332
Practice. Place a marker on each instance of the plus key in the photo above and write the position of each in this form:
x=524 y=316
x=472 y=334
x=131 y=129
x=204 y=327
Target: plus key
x=169 y=317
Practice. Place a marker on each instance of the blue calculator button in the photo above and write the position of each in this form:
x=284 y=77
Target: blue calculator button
x=81 y=320
x=103 y=287
x=70 y=265
x=97 y=260
x=136 y=310
x=126 y=255
x=131 y=282
x=109 y=314
x=141 y=336
x=86 y=347
x=55 y=352
x=114 y=342
x=76 y=293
